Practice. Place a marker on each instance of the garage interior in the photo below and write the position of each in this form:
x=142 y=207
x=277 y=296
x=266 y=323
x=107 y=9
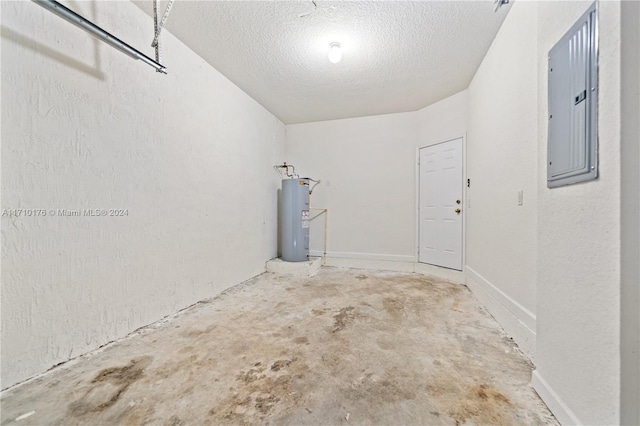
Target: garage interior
x=141 y=211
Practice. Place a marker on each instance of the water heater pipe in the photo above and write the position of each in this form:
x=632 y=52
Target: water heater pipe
x=286 y=166
x=324 y=212
x=326 y=216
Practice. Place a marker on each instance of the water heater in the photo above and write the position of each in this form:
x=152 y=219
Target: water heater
x=295 y=220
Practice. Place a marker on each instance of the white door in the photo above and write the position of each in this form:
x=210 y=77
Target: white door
x=440 y=206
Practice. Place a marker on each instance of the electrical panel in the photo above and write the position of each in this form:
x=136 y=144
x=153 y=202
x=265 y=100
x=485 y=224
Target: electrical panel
x=572 y=150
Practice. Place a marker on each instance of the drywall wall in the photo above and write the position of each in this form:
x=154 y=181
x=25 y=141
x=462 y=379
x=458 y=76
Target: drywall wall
x=578 y=294
x=367 y=168
x=548 y=270
x=444 y=120
x=188 y=156
x=630 y=214
x=501 y=160
x=440 y=122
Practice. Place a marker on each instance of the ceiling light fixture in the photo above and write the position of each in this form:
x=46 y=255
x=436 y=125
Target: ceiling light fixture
x=335 y=54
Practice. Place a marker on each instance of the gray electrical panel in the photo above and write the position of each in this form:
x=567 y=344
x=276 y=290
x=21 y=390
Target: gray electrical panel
x=572 y=149
x=295 y=220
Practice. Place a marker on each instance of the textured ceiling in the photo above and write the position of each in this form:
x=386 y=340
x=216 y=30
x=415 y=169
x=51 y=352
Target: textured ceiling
x=397 y=55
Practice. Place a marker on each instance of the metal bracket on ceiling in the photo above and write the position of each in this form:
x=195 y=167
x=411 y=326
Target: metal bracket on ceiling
x=499 y=4
x=77 y=20
x=315 y=7
x=326 y=11
x=157 y=27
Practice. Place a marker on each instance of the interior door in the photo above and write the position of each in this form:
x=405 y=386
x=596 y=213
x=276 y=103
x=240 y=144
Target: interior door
x=440 y=205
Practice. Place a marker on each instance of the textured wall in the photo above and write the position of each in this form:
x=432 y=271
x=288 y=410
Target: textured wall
x=501 y=160
x=85 y=127
x=369 y=164
x=578 y=346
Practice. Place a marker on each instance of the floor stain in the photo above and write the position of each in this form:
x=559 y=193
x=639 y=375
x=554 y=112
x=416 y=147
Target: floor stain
x=394 y=308
x=199 y=332
x=256 y=398
x=386 y=343
x=265 y=404
x=477 y=404
x=107 y=387
x=484 y=392
x=186 y=349
x=174 y=421
x=282 y=363
x=343 y=318
x=251 y=375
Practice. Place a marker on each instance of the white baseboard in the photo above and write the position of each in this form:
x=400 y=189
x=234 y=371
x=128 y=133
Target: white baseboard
x=557 y=406
x=517 y=321
x=451 y=275
x=365 y=256
x=382 y=265
x=389 y=262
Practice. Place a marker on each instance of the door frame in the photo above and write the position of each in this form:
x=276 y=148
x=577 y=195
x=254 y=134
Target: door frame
x=464 y=200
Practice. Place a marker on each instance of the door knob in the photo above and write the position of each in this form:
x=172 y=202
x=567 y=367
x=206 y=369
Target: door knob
x=458 y=211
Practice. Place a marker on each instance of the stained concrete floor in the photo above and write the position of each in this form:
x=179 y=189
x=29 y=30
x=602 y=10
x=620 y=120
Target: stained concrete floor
x=342 y=347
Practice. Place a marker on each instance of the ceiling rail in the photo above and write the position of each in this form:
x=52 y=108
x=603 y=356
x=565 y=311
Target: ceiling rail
x=79 y=21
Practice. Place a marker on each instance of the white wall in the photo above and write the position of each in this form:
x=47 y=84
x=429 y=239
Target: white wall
x=85 y=127
x=370 y=164
x=444 y=120
x=578 y=347
x=501 y=160
x=549 y=270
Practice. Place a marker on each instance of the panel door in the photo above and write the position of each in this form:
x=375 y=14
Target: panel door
x=440 y=205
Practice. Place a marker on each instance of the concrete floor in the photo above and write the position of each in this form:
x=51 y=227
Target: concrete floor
x=342 y=347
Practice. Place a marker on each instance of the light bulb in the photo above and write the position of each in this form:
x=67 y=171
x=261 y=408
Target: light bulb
x=335 y=54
